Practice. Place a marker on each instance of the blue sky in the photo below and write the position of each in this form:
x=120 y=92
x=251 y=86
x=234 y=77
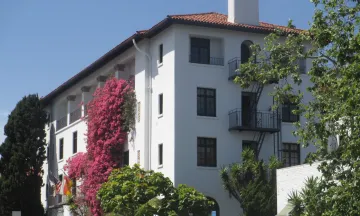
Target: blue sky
x=44 y=43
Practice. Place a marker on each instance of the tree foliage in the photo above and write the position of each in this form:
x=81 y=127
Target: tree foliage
x=134 y=191
x=22 y=157
x=111 y=115
x=334 y=45
x=252 y=183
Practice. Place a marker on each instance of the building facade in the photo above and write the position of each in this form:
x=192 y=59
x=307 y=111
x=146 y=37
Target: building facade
x=191 y=118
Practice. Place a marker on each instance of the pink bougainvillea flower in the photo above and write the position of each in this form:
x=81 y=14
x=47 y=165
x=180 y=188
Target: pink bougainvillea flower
x=106 y=137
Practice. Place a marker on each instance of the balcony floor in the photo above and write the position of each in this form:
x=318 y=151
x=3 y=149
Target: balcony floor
x=244 y=128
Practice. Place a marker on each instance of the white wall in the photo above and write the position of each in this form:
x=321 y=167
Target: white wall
x=189 y=126
x=293 y=179
x=163 y=126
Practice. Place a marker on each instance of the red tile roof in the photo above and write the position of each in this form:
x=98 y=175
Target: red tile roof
x=222 y=19
x=212 y=20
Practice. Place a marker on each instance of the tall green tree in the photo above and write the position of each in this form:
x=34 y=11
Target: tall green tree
x=252 y=183
x=133 y=191
x=22 y=157
x=334 y=48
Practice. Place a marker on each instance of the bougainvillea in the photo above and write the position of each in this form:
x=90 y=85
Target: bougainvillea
x=111 y=115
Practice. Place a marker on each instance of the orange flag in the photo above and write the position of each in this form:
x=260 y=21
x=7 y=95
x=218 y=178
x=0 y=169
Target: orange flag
x=67 y=185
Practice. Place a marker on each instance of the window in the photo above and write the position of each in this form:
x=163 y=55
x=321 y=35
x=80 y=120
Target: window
x=287 y=114
x=160 y=154
x=161 y=51
x=245 y=51
x=74 y=142
x=160 y=104
x=291 y=154
x=206 y=152
x=302 y=65
x=126 y=158
x=206 y=102
x=200 y=50
x=61 y=149
x=249 y=144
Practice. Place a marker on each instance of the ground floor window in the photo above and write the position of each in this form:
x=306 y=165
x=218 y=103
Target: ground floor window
x=291 y=154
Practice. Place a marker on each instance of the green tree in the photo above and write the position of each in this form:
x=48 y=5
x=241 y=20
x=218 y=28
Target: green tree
x=252 y=183
x=333 y=46
x=22 y=157
x=134 y=191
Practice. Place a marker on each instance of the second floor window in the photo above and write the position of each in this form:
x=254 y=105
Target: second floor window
x=61 y=149
x=291 y=154
x=206 y=152
x=160 y=155
x=75 y=142
x=161 y=104
x=287 y=112
x=206 y=102
x=200 y=50
x=161 y=52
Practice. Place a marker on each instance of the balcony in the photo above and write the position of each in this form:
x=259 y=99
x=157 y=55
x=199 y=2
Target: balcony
x=75 y=115
x=254 y=121
x=61 y=123
x=234 y=65
x=198 y=59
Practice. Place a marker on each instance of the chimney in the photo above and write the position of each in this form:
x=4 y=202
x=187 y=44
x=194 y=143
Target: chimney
x=243 y=11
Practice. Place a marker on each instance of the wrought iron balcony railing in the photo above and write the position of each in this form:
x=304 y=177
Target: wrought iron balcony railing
x=206 y=60
x=254 y=121
x=234 y=65
x=75 y=115
x=61 y=123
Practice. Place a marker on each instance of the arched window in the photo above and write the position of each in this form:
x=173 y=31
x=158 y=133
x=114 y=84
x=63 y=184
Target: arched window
x=215 y=211
x=245 y=51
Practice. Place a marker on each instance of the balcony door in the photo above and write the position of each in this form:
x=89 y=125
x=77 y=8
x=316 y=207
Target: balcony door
x=248 y=108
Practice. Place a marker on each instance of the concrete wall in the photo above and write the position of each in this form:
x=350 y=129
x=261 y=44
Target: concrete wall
x=293 y=179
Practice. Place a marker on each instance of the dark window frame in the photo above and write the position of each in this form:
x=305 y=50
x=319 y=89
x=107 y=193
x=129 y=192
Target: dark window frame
x=161 y=104
x=207 y=111
x=61 y=148
x=161 y=154
x=199 y=50
x=289 y=150
x=126 y=158
x=161 y=53
x=286 y=112
x=249 y=144
x=207 y=143
x=75 y=140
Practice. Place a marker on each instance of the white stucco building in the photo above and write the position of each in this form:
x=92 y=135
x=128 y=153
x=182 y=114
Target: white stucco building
x=191 y=118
